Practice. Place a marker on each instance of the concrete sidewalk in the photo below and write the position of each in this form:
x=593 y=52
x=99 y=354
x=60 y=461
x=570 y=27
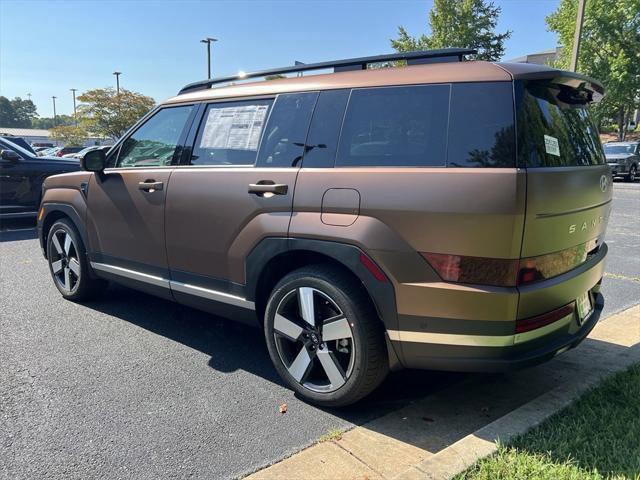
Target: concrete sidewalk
x=445 y=433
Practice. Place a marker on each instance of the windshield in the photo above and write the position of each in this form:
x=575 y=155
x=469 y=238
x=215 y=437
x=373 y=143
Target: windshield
x=555 y=128
x=618 y=149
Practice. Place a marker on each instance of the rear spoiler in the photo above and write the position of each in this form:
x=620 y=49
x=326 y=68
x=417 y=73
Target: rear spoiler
x=576 y=81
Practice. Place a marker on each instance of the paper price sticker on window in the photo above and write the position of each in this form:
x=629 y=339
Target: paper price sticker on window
x=234 y=128
x=551 y=145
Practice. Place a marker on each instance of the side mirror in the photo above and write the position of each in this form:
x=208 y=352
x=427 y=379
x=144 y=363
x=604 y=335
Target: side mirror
x=93 y=161
x=10 y=155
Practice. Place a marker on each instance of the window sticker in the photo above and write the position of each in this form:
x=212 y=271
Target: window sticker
x=234 y=128
x=551 y=145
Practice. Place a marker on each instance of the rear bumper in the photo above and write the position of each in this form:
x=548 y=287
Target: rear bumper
x=504 y=359
x=482 y=343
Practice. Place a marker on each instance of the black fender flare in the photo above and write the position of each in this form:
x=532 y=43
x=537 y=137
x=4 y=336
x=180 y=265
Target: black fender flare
x=382 y=293
x=68 y=210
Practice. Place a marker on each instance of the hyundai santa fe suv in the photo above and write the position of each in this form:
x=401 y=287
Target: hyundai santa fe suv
x=445 y=214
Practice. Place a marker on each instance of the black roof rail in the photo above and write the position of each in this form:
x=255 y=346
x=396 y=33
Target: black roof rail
x=412 y=58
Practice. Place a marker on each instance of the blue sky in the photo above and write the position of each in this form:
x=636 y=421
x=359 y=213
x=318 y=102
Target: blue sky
x=48 y=47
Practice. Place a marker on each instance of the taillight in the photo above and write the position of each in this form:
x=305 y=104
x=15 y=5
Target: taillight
x=504 y=272
x=527 y=324
x=484 y=271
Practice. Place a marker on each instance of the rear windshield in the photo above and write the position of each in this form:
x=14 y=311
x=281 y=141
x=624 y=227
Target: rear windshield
x=555 y=129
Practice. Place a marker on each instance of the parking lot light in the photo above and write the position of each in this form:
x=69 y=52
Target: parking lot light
x=208 y=41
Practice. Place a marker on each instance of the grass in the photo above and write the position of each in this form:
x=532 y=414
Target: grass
x=332 y=434
x=597 y=437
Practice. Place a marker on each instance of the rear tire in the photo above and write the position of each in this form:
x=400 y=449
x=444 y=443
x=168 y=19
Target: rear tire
x=324 y=337
x=69 y=265
x=631 y=176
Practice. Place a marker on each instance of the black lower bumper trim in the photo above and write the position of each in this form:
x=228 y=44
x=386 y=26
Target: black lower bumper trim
x=510 y=358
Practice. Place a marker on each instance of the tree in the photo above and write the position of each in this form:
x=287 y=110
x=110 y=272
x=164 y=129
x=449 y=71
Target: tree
x=105 y=112
x=459 y=23
x=16 y=113
x=49 y=122
x=609 y=52
x=69 y=135
x=6 y=112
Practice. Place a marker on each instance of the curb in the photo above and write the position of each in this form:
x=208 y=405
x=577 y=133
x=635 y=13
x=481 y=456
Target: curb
x=398 y=446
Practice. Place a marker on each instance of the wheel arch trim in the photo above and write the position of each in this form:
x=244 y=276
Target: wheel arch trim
x=67 y=210
x=382 y=293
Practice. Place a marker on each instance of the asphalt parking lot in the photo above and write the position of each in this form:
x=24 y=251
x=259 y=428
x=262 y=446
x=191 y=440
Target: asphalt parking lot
x=136 y=387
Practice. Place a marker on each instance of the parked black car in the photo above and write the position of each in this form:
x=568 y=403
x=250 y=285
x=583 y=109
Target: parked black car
x=21 y=142
x=21 y=177
x=623 y=158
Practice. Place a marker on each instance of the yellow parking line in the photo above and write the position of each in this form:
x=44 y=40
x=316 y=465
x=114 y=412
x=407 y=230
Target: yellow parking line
x=621 y=277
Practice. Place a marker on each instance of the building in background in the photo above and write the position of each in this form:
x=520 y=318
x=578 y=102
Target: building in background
x=547 y=57
x=36 y=135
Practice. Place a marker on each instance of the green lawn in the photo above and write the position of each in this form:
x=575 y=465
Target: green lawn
x=597 y=437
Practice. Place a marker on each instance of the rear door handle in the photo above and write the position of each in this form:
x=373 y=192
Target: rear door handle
x=263 y=187
x=150 y=185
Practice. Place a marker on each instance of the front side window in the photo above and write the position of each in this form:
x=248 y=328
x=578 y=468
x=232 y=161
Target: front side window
x=155 y=142
x=230 y=133
x=395 y=126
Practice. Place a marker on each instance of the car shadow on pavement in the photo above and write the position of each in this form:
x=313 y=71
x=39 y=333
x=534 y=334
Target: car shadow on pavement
x=235 y=346
x=423 y=413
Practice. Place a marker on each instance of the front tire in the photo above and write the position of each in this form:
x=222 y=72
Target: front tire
x=68 y=263
x=631 y=176
x=324 y=337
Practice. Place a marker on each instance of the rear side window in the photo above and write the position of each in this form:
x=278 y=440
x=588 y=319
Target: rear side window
x=154 y=143
x=481 y=130
x=555 y=128
x=230 y=133
x=283 y=142
x=395 y=126
x=324 y=131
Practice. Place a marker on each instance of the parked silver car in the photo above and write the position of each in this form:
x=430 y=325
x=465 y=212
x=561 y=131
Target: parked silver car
x=623 y=158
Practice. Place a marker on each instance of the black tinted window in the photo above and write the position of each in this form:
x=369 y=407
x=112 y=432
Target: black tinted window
x=555 y=129
x=230 y=133
x=395 y=126
x=284 y=137
x=155 y=142
x=481 y=132
x=324 y=132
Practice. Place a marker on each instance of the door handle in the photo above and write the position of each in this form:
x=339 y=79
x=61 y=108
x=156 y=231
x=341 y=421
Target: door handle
x=263 y=187
x=150 y=186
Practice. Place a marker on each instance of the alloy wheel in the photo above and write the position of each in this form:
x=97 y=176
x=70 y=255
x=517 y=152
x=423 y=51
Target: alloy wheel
x=64 y=261
x=314 y=340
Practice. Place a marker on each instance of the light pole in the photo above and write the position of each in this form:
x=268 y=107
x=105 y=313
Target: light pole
x=75 y=116
x=29 y=96
x=54 y=110
x=208 y=41
x=576 y=37
x=117 y=74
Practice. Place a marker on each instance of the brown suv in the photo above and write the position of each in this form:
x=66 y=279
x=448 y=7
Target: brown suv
x=446 y=214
